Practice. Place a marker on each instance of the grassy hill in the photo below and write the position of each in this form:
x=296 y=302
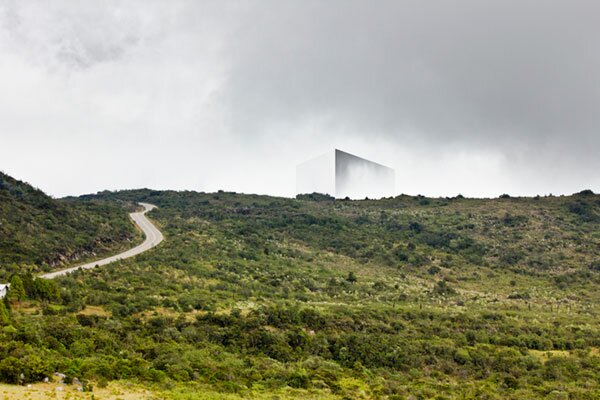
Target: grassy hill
x=44 y=233
x=265 y=297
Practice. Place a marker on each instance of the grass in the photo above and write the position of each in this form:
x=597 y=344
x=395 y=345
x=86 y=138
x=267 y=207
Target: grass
x=56 y=390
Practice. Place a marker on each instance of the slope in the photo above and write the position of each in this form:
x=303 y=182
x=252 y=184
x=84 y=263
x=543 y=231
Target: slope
x=44 y=233
x=407 y=297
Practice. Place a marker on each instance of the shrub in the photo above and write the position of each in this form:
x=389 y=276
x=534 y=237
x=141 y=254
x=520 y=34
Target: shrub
x=442 y=288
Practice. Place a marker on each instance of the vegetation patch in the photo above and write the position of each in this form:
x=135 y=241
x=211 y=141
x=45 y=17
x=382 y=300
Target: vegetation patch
x=263 y=297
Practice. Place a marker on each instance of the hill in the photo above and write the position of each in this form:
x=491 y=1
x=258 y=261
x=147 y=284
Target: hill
x=400 y=298
x=44 y=233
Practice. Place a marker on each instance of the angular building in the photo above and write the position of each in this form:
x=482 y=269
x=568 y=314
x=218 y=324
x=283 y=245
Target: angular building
x=341 y=175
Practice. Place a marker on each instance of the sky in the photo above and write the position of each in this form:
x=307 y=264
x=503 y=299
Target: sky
x=473 y=97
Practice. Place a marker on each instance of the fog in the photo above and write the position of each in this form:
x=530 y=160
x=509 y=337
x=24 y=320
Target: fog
x=470 y=97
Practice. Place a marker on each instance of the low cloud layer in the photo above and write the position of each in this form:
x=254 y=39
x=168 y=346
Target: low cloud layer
x=471 y=97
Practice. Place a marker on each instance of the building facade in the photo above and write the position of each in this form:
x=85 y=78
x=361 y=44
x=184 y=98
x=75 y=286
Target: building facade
x=342 y=174
x=4 y=289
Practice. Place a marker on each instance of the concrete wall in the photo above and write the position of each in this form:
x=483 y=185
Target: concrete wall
x=4 y=290
x=342 y=174
x=358 y=178
x=317 y=175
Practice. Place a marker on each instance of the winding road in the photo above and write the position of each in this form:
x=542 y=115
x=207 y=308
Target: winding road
x=153 y=237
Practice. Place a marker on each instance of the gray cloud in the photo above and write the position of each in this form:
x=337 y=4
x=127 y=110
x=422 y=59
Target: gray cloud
x=70 y=35
x=450 y=71
x=463 y=96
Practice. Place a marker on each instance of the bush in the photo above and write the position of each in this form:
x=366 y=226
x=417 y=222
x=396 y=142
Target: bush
x=442 y=288
x=298 y=379
x=433 y=270
x=594 y=265
x=315 y=197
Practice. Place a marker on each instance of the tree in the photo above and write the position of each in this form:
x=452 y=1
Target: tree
x=28 y=284
x=11 y=370
x=46 y=290
x=4 y=317
x=17 y=290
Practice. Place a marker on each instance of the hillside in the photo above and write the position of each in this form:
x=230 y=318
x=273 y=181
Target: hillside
x=43 y=233
x=403 y=298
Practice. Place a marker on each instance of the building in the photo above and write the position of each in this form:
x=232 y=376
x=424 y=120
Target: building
x=4 y=289
x=342 y=174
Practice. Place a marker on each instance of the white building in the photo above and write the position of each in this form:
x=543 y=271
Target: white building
x=4 y=289
x=341 y=175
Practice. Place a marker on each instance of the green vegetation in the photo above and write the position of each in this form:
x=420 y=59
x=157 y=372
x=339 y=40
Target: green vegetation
x=17 y=290
x=403 y=298
x=44 y=233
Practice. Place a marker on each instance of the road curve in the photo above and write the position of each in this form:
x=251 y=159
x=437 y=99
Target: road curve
x=153 y=237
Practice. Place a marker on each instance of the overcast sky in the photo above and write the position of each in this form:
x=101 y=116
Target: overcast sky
x=472 y=97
